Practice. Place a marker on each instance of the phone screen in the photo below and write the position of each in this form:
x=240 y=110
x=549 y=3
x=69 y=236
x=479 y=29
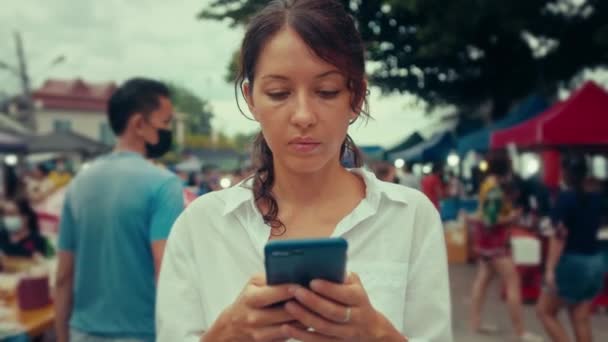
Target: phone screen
x=301 y=261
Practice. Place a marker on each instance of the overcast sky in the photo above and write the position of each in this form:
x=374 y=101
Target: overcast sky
x=112 y=40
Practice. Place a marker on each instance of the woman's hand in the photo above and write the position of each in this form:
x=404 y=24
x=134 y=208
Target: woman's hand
x=337 y=312
x=511 y=218
x=253 y=316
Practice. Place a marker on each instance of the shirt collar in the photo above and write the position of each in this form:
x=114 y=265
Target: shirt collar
x=238 y=195
x=242 y=193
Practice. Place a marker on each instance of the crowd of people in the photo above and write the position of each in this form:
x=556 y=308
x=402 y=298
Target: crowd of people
x=438 y=184
x=573 y=266
x=574 y=214
x=211 y=178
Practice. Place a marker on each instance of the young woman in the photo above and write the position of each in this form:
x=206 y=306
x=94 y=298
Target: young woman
x=574 y=272
x=302 y=75
x=491 y=242
x=21 y=236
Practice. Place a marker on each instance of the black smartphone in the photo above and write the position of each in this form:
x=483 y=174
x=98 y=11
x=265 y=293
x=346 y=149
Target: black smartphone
x=301 y=261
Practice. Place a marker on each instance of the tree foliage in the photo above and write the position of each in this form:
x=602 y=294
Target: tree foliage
x=468 y=52
x=197 y=110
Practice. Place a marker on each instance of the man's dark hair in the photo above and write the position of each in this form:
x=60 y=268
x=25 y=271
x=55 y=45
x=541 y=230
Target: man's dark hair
x=437 y=168
x=137 y=95
x=407 y=167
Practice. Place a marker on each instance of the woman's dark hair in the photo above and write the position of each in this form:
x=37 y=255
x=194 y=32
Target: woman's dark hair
x=575 y=171
x=327 y=28
x=25 y=209
x=499 y=163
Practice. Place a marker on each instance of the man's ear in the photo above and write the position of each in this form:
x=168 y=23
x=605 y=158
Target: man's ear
x=136 y=123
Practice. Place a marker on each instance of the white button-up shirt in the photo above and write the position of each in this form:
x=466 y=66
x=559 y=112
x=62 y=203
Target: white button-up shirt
x=396 y=246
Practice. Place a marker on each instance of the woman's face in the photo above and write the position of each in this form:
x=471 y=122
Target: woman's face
x=13 y=221
x=302 y=103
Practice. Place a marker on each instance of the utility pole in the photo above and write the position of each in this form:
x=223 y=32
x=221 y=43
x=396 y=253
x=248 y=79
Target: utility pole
x=27 y=117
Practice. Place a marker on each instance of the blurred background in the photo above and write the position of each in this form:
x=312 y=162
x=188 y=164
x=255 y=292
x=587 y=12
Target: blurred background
x=451 y=81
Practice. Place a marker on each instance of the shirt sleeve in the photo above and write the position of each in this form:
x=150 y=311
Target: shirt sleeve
x=179 y=308
x=167 y=204
x=67 y=226
x=428 y=305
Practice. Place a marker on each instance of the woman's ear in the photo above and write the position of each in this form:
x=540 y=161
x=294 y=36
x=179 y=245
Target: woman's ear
x=248 y=94
x=360 y=102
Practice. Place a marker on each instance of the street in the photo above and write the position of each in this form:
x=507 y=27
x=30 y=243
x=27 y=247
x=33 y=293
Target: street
x=495 y=312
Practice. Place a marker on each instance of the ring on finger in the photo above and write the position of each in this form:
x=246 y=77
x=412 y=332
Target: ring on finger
x=347 y=315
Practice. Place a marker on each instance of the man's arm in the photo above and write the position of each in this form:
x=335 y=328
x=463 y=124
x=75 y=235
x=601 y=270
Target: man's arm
x=63 y=295
x=168 y=205
x=158 y=250
x=65 y=271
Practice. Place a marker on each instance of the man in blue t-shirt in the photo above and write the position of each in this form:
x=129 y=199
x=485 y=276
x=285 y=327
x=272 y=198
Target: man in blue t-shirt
x=116 y=218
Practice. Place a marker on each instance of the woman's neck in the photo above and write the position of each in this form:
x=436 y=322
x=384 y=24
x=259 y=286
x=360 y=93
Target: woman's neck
x=306 y=189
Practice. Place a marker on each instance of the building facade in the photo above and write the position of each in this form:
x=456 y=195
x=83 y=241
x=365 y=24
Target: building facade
x=75 y=106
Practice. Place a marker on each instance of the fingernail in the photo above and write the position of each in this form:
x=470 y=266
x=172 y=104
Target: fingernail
x=315 y=284
x=293 y=290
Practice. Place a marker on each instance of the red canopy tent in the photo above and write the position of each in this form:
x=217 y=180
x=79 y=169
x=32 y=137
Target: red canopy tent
x=580 y=120
x=526 y=133
x=583 y=121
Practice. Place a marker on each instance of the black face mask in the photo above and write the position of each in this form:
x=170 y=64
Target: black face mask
x=165 y=139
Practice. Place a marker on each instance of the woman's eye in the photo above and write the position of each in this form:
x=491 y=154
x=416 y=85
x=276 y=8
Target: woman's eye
x=328 y=94
x=278 y=96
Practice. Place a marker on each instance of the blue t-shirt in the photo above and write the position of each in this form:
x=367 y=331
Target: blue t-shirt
x=113 y=211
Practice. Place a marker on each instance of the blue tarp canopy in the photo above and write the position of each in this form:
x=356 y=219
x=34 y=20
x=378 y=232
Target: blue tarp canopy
x=12 y=143
x=479 y=141
x=411 y=141
x=434 y=149
x=372 y=152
